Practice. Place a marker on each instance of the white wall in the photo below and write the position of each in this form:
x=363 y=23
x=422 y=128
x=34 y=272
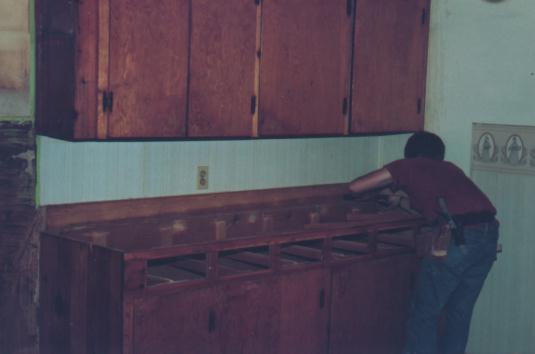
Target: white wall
x=481 y=69
x=95 y=171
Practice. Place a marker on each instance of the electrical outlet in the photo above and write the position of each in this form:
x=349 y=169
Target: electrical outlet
x=202 y=177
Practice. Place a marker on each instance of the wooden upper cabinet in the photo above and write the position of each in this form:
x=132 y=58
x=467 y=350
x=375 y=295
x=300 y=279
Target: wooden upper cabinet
x=389 y=65
x=112 y=69
x=222 y=68
x=127 y=69
x=55 y=69
x=304 y=67
x=148 y=67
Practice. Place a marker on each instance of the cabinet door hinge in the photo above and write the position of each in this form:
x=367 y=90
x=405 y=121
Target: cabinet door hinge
x=349 y=7
x=107 y=101
x=253 y=104
x=424 y=16
x=257 y=2
x=419 y=106
x=344 y=106
x=110 y=107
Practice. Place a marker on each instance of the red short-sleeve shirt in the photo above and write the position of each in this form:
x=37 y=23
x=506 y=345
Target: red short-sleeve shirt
x=425 y=180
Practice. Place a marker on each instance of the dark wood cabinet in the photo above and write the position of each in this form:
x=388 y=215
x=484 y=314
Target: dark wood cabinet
x=112 y=69
x=305 y=67
x=389 y=65
x=304 y=311
x=369 y=298
x=227 y=280
x=143 y=68
x=223 y=63
x=189 y=315
x=181 y=69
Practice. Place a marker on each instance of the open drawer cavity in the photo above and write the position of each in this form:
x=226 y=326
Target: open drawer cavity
x=395 y=238
x=243 y=261
x=302 y=252
x=176 y=269
x=344 y=247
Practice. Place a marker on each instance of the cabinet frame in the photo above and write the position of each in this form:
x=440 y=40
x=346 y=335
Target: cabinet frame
x=78 y=83
x=98 y=277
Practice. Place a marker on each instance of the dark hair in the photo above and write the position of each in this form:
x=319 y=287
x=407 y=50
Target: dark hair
x=425 y=144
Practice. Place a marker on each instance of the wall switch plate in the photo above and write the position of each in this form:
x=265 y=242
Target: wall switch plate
x=202 y=177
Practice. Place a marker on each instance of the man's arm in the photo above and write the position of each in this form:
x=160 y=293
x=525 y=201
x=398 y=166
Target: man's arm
x=376 y=179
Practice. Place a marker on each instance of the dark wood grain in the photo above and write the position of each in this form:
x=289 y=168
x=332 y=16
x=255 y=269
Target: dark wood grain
x=160 y=321
x=369 y=305
x=223 y=52
x=63 y=215
x=55 y=112
x=248 y=316
x=304 y=311
x=218 y=280
x=104 y=301
x=304 y=70
x=63 y=297
x=56 y=15
x=389 y=65
x=66 y=79
x=20 y=223
x=81 y=298
x=148 y=68
x=86 y=80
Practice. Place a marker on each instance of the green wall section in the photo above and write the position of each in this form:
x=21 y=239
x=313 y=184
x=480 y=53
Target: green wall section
x=93 y=171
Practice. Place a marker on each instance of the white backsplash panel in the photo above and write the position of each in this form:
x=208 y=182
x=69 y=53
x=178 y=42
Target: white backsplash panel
x=503 y=148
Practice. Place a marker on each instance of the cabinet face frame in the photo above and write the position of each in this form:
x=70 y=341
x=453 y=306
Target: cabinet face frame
x=389 y=65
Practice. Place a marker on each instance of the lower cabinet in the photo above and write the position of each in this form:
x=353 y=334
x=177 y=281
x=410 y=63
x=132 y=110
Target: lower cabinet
x=176 y=323
x=283 y=314
x=355 y=308
x=369 y=305
x=335 y=292
x=304 y=312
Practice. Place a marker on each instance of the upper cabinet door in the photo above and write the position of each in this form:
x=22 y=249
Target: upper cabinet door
x=389 y=65
x=304 y=67
x=222 y=68
x=148 y=67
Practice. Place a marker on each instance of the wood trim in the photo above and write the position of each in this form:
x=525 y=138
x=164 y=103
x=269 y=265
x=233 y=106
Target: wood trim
x=103 y=64
x=86 y=70
x=70 y=214
x=254 y=132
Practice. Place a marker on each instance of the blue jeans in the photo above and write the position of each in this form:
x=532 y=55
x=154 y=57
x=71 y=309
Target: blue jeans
x=453 y=285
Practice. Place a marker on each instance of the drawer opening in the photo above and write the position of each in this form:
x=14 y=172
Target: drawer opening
x=303 y=252
x=246 y=260
x=350 y=246
x=396 y=237
x=176 y=269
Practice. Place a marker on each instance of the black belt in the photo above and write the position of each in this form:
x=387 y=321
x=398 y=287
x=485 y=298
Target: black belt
x=473 y=218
